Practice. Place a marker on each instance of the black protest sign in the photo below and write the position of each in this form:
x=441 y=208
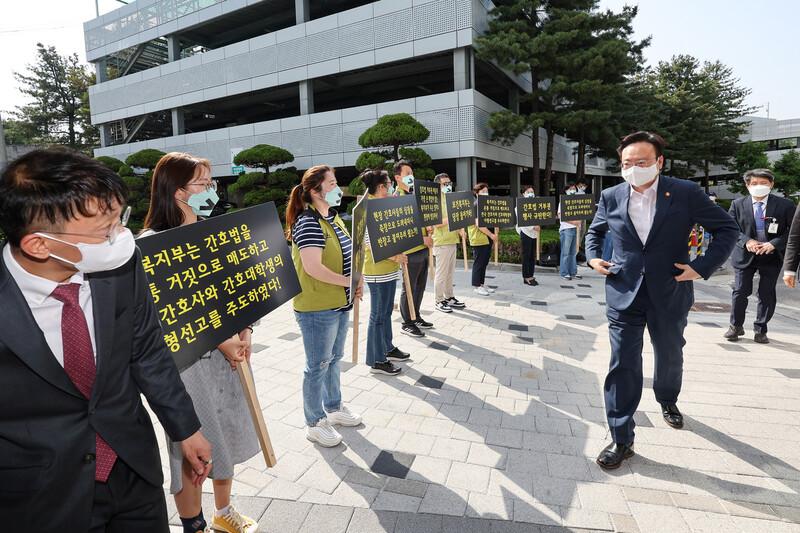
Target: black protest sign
x=496 y=211
x=460 y=210
x=429 y=200
x=394 y=226
x=576 y=206
x=211 y=279
x=536 y=211
x=359 y=229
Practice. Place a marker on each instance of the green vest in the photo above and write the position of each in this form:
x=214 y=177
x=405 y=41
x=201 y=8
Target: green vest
x=387 y=266
x=476 y=236
x=441 y=236
x=317 y=295
x=422 y=230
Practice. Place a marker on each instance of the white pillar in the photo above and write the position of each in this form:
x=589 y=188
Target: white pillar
x=463 y=69
x=306 y=97
x=178 y=125
x=301 y=11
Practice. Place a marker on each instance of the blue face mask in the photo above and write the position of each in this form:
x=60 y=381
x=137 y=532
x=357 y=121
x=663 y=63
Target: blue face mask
x=530 y=195
x=408 y=180
x=447 y=187
x=572 y=191
x=334 y=198
x=202 y=203
x=581 y=189
x=390 y=190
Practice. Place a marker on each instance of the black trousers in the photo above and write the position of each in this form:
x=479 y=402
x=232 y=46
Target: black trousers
x=481 y=255
x=418 y=264
x=769 y=269
x=528 y=256
x=126 y=503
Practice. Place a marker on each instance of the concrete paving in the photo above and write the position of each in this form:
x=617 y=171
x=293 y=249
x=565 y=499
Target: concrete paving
x=501 y=433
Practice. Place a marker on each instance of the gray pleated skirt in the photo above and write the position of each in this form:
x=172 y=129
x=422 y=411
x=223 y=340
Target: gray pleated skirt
x=222 y=408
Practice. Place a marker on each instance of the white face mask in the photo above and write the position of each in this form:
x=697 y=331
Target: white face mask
x=101 y=257
x=638 y=176
x=757 y=191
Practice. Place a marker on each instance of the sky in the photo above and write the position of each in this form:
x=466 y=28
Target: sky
x=758 y=40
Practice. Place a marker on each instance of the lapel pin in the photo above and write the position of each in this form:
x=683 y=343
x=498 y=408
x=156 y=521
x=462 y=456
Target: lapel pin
x=666 y=194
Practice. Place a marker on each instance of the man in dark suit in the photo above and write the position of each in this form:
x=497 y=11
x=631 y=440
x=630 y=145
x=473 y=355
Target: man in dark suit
x=791 y=260
x=79 y=341
x=648 y=281
x=764 y=221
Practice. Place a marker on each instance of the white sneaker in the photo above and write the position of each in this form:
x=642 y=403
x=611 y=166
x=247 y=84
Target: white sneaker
x=489 y=289
x=323 y=434
x=344 y=417
x=482 y=291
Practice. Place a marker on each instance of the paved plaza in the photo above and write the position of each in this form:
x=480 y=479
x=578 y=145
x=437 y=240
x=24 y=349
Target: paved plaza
x=495 y=423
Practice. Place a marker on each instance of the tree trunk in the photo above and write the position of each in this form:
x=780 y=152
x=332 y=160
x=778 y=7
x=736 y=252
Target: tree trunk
x=71 y=130
x=580 y=169
x=705 y=177
x=537 y=182
x=548 y=162
x=396 y=153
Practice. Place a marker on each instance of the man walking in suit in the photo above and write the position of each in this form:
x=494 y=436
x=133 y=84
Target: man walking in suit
x=80 y=340
x=764 y=221
x=791 y=259
x=648 y=280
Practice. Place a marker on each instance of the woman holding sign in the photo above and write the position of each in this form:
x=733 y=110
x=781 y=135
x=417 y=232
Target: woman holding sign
x=481 y=247
x=322 y=255
x=568 y=233
x=381 y=279
x=528 y=236
x=182 y=192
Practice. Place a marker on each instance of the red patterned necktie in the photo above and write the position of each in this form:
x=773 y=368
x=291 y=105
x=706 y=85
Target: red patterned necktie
x=79 y=363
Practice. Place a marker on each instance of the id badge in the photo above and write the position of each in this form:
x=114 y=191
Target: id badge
x=773 y=227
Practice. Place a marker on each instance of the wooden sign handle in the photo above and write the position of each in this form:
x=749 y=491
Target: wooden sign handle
x=255 y=412
x=464 y=250
x=355 y=330
x=430 y=255
x=538 y=246
x=496 y=245
x=409 y=296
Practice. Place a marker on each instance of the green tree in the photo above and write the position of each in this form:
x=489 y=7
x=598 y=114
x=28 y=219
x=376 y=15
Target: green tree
x=396 y=134
x=140 y=185
x=787 y=173
x=261 y=187
x=750 y=155
x=111 y=162
x=59 y=112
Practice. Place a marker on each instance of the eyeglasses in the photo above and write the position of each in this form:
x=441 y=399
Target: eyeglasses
x=116 y=229
x=212 y=185
x=641 y=163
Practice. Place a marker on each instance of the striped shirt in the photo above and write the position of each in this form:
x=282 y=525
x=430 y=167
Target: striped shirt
x=308 y=232
x=381 y=278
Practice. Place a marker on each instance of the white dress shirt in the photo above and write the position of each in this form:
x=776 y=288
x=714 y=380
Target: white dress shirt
x=642 y=209
x=46 y=310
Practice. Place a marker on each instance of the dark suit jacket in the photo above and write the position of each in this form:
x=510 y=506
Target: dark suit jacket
x=680 y=204
x=781 y=209
x=47 y=427
x=791 y=259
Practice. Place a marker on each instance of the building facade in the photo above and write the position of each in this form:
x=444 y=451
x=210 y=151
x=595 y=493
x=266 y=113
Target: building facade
x=213 y=77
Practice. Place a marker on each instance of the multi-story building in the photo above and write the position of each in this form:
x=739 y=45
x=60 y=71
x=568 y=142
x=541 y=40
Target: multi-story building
x=212 y=77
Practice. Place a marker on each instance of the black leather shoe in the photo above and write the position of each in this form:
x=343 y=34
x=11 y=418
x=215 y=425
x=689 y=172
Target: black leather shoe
x=613 y=455
x=761 y=338
x=733 y=333
x=672 y=416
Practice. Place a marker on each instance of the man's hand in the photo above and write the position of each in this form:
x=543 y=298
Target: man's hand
x=752 y=246
x=461 y=233
x=765 y=248
x=401 y=259
x=197 y=451
x=789 y=280
x=600 y=265
x=688 y=273
x=428 y=241
x=493 y=236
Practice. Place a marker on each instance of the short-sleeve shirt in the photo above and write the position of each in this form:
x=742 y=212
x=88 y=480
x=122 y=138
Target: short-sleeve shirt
x=308 y=232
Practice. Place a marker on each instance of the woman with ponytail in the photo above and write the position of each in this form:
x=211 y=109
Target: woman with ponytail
x=381 y=279
x=321 y=252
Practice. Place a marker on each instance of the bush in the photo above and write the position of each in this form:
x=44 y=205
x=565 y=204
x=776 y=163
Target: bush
x=111 y=162
x=263 y=156
x=125 y=170
x=147 y=158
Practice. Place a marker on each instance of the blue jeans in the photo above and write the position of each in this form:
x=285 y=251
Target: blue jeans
x=379 y=332
x=569 y=262
x=324 y=333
